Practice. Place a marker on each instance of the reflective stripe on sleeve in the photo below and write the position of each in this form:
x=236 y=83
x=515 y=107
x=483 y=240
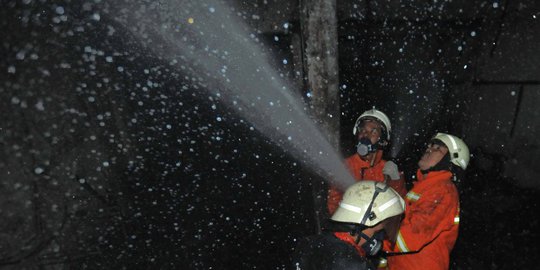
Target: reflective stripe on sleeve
x=413 y=196
x=456 y=218
x=401 y=243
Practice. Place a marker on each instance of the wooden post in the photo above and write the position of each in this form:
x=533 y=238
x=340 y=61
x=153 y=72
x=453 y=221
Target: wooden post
x=318 y=22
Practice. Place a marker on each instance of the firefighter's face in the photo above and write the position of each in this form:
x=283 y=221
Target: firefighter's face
x=390 y=226
x=370 y=231
x=434 y=153
x=371 y=130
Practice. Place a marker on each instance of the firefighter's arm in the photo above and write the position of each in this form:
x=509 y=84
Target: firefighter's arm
x=394 y=178
x=334 y=197
x=424 y=222
x=397 y=184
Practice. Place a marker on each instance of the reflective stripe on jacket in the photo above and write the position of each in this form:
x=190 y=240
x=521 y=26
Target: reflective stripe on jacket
x=430 y=226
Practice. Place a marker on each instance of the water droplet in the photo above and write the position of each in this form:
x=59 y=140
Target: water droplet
x=38 y=170
x=39 y=105
x=59 y=10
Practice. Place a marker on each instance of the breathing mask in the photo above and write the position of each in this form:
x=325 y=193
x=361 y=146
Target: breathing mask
x=365 y=147
x=373 y=244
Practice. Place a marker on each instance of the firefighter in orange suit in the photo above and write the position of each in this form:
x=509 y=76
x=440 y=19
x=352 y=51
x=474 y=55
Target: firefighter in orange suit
x=372 y=129
x=430 y=226
x=369 y=213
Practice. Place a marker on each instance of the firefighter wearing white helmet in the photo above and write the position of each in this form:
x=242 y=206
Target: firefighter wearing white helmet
x=372 y=130
x=369 y=213
x=368 y=203
x=430 y=227
x=458 y=151
x=376 y=115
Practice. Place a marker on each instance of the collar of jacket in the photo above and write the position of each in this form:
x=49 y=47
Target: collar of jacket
x=349 y=239
x=433 y=175
x=367 y=163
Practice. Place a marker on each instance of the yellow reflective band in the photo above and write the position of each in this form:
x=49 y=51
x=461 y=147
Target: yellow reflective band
x=456 y=218
x=401 y=243
x=382 y=263
x=413 y=196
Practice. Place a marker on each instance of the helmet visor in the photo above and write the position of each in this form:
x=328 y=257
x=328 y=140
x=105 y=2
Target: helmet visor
x=436 y=142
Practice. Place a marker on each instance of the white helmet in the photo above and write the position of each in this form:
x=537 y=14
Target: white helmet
x=368 y=203
x=459 y=152
x=377 y=115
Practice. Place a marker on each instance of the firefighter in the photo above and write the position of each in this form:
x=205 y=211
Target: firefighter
x=372 y=130
x=369 y=213
x=430 y=225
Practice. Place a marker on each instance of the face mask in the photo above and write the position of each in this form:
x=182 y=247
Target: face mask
x=373 y=244
x=364 y=147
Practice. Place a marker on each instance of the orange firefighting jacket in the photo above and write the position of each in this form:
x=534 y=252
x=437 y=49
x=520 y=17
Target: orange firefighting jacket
x=361 y=170
x=430 y=225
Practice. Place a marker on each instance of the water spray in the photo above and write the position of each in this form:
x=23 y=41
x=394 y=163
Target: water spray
x=210 y=42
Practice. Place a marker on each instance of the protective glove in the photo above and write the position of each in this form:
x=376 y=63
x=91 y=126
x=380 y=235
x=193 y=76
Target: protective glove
x=391 y=169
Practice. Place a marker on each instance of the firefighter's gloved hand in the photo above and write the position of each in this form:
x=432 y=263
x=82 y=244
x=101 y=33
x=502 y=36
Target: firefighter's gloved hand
x=391 y=169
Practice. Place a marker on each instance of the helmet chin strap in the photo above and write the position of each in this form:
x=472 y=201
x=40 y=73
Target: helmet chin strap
x=360 y=236
x=368 y=214
x=443 y=165
x=357 y=231
x=373 y=159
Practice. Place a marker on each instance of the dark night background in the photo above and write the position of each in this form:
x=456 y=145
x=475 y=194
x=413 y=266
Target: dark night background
x=112 y=159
